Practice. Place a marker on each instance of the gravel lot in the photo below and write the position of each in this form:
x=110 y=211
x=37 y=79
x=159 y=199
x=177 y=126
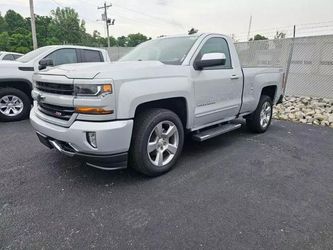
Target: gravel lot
x=237 y=191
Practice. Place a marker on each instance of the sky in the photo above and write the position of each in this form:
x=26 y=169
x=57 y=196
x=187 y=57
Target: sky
x=167 y=17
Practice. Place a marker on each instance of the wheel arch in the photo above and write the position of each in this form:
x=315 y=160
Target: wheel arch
x=270 y=91
x=17 y=83
x=178 y=105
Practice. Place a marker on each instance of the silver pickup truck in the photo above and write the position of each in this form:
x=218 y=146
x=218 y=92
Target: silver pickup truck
x=136 y=111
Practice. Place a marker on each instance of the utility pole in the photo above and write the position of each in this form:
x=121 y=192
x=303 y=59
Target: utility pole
x=249 y=31
x=108 y=21
x=33 y=25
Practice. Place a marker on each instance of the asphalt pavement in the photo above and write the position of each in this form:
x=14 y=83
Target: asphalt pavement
x=237 y=191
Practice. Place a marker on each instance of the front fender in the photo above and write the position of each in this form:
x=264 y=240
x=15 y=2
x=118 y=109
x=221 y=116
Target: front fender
x=133 y=93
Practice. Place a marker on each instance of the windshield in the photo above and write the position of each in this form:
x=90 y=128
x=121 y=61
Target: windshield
x=32 y=54
x=171 y=50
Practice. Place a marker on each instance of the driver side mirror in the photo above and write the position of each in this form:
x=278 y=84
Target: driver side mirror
x=45 y=63
x=210 y=60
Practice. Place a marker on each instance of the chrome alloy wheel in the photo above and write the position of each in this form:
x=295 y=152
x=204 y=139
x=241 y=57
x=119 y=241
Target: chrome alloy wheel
x=265 y=114
x=11 y=105
x=163 y=143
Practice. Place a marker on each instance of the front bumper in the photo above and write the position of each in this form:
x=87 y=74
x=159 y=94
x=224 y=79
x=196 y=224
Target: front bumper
x=113 y=140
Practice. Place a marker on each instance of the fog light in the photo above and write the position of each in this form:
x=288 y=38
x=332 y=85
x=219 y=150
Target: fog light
x=91 y=138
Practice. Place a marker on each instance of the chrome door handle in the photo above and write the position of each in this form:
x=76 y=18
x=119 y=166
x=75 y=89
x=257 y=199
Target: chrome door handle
x=234 y=77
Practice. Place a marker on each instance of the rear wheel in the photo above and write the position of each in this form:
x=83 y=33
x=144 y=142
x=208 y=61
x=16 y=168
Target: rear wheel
x=157 y=141
x=261 y=118
x=14 y=105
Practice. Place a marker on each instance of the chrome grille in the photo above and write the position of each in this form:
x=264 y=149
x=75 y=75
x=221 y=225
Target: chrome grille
x=55 y=88
x=64 y=113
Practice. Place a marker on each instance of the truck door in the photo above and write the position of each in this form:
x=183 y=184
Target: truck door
x=218 y=89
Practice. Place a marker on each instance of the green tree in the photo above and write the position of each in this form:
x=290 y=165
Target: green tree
x=3 y=24
x=43 y=29
x=258 y=37
x=66 y=25
x=122 y=41
x=4 y=41
x=135 y=39
x=15 y=21
x=20 y=42
x=52 y=41
x=113 y=41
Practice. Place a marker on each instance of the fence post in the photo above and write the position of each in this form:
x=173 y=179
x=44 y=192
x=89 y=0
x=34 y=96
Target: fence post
x=291 y=52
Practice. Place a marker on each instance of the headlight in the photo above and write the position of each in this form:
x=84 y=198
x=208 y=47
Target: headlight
x=92 y=89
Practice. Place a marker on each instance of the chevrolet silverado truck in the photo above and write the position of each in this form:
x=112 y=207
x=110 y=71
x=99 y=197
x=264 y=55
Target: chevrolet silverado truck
x=136 y=111
x=16 y=76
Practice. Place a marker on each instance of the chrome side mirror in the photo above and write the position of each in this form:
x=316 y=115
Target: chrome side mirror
x=210 y=60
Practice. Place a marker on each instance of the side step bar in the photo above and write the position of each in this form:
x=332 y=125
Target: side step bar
x=212 y=132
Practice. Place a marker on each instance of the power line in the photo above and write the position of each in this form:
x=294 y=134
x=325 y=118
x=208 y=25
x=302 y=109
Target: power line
x=57 y=3
x=174 y=23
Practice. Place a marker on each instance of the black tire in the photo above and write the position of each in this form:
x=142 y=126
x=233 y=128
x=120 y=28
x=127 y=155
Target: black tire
x=26 y=105
x=144 y=125
x=253 y=121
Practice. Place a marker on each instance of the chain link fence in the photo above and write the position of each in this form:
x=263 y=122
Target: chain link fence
x=311 y=62
x=117 y=52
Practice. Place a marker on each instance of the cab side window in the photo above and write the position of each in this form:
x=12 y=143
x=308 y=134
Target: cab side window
x=91 y=55
x=63 y=56
x=16 y=56
x=8 y=57
x=217 y=45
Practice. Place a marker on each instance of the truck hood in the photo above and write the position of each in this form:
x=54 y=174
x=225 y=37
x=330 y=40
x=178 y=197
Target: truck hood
x=116 y=70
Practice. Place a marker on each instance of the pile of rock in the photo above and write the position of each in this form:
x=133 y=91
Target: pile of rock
x=310 y=110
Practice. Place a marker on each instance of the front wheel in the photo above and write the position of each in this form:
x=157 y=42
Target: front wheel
x=157 y=141
x=14 y=105
x=261 y=118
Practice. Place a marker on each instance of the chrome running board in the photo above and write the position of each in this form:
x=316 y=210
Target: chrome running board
x=215 y=131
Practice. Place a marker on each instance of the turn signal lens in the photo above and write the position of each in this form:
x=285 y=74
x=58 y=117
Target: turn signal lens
x=107 y=88
x=93 y=111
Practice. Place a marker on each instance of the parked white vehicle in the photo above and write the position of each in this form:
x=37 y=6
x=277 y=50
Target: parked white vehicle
x=16 y=76
x=9 y=56
x=139 y=108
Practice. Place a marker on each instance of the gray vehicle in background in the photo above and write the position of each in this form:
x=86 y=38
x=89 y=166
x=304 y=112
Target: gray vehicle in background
x=9 y=56
x=138 y=109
